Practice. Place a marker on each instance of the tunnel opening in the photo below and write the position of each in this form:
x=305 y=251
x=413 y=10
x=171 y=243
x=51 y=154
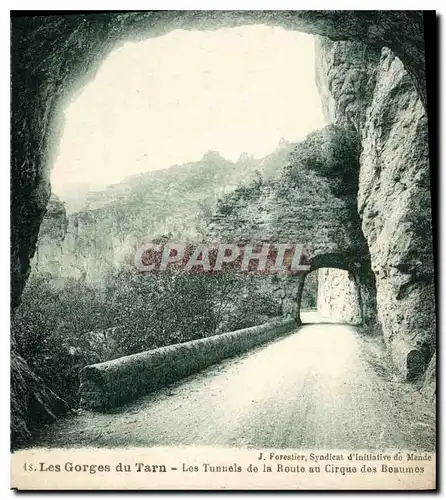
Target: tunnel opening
x=166 y=128
x=345 y=290
x=126 y=144
x=336 y=297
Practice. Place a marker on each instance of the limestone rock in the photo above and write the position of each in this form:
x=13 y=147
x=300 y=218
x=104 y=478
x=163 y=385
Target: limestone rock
x=393 y=188
x=337 y=296
x=32 y=403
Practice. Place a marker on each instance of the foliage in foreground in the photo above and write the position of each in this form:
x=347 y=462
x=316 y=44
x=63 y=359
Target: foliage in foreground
x=61 y=327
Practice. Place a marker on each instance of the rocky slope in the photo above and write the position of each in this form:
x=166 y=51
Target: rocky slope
x=177 y=201
x=337 y=296
x=180 y=202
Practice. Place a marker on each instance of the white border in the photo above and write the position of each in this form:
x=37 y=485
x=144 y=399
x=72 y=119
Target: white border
x=168 y=5
x=226 y=5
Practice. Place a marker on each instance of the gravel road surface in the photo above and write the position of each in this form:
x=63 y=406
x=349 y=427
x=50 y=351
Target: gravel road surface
x=325 y=386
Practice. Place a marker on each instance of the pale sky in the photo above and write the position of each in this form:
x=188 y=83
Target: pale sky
x=169 y=100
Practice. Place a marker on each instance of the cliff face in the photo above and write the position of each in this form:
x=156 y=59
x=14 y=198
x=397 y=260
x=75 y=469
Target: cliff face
x=337 y=295
x=373 y=91
x=52 y=234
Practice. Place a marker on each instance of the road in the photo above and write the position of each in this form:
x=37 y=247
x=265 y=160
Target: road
x=325 y=386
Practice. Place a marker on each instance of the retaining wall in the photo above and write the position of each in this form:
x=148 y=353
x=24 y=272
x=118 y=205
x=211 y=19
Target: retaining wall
x=112 y=383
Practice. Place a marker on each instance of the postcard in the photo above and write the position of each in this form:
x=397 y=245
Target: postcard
x=222 y=269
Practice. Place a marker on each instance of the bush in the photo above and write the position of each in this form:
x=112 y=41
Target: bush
x=60 y=327
x=51 y=331
x=332 y=153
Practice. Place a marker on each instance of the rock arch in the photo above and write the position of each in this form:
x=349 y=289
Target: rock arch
x=54 y=56
x=359 y=272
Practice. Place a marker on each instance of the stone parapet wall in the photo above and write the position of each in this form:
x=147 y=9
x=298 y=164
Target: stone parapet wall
x=110 y=384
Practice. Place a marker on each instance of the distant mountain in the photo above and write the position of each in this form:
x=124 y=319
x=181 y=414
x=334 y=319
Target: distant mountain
x=178 y=201
x=212 y=171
